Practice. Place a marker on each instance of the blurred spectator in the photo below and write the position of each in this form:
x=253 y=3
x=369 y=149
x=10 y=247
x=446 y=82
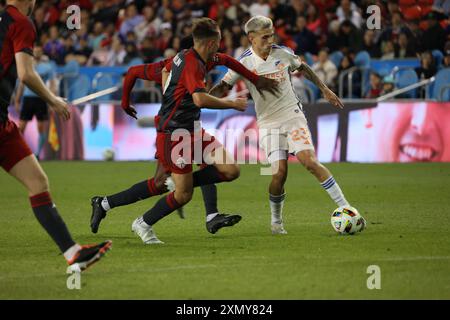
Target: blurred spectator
x=442 y=6
x=81 y=53
x=325 y=69
x=149 y=52
x=244 y=45
x=388 y=85
x=116 y=53
x=259 y=8
x=150 y=26
x=446 y=62
x=334 y=40
x=199 y=8
x=277 y=12
x=434 y=36
x=131 y=52
x=347 y=64
x=237 y=10
x=54 y=47
x=393 y=31
x=415 y=35
x=97 y=36
x=388 y=50
x=375 y=86
x=370 y=45
x=427 y=67
x=351 y=38
x=132 y=19
x=305 y=39
x=349 y=11
x=403 y=49
x=163 y=41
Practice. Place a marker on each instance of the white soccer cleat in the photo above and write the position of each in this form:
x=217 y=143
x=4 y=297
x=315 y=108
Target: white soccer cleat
x=145 y=232
x=278 y=228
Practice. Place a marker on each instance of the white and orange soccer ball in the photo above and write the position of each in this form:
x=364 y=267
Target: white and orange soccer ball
x=347 y=220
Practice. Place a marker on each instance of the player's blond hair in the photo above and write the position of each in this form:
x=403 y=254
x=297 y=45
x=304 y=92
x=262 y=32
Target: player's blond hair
x=258 y=23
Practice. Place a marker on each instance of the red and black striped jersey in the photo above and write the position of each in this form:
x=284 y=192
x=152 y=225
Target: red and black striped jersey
x=187 y=76
x=17 y=34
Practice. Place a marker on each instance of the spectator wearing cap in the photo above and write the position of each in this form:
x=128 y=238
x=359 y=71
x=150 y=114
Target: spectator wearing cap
x=434 y=36
x=132 y=19
x=388 y=85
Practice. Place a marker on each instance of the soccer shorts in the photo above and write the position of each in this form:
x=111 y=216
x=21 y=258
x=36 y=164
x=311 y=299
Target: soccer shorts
x=34 y=106
x=178 y=153
x=280 y=139
x=13 y=147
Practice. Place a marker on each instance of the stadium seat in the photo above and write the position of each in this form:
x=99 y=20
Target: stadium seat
x=362 y=59
x=102 y=81
x=412 y=13
x=438 y=57
x=404 y=78
x=135 y=62
x=79 y=87
x=336 y=58
x=71 y=68
x=442 y=80
x=313 y=88
x=309 y=58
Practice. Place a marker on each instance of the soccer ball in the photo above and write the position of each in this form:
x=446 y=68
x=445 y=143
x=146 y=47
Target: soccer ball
x=347 y=220
x=108 y=154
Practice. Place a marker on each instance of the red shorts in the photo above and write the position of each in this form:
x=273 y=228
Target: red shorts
x=13 y=147
x=177 y=154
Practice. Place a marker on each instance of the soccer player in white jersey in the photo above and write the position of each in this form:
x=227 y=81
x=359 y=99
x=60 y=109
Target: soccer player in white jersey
x=282 y=125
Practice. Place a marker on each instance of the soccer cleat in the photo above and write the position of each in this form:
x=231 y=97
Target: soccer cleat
x=98 y=213
x=222 y=220
x=278 y=228
x=88 y=255
x=170 y=184
x=145 y=232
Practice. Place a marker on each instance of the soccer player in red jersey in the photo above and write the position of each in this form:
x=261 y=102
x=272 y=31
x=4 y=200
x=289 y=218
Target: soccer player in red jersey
x=17 y=36
x=159 y=183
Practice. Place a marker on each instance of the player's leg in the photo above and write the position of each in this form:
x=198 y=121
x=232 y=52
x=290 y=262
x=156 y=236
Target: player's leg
x=22 y=126
x=139 y=191
x=42 y=118
x=309 y=160
x=143 y=226
x=277 y=194
x=26 y=114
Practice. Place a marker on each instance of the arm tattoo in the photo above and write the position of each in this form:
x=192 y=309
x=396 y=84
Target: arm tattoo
x=311 y=76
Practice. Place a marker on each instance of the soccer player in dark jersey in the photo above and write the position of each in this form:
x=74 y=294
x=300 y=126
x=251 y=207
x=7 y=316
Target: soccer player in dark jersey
x=179 y=138
x=159 y=183
x=17 y=36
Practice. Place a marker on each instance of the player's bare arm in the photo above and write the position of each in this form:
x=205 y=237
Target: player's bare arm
x=29 y=77
x=205 y=100
x=18 y=96
x=327 y=93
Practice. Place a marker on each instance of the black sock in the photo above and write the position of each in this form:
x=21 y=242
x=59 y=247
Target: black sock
x=162 y=208
x=48 y=217
x=140 y=191
x=209 y=192
x=208 y=175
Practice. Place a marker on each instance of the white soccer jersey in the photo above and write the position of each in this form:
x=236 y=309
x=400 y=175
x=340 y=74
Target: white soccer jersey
x=278 y=65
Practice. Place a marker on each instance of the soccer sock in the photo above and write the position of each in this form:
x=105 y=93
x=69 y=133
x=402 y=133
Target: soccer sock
x=335 y=192
x=47 y=215
x=209 y=192
x=42 y=138
x=276 y=207
x=208 y=175
x=139 y=191
x=162 y=208
x=70 y=253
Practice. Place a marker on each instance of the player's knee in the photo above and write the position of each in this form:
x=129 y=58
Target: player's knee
x=160 y=182
x=279 y=177
x=232 y=173
x=38 y=184
x=310 y=163
x=183 y=197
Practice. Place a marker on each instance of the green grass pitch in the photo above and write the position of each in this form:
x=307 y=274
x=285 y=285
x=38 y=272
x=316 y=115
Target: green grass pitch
x=407 y=207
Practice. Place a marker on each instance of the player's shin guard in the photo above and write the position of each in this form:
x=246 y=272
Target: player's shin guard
x=47 y=215
x=208 y=175
x=209 y=192
x=139 y=191
x=162 y=208
x=335 y=192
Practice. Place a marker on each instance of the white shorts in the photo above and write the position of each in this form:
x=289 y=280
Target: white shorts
x=280 y=139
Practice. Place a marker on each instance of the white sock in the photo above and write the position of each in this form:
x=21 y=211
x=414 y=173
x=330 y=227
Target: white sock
x=335 y=192
x=105 y=204
x=70 y=253
x=276 y=207
x=211 y=216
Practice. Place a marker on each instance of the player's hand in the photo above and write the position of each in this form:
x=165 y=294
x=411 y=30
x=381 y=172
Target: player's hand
x=240 y=104
x=61 y=107
x=130 y=110
x=333 y=98
x=267 y=84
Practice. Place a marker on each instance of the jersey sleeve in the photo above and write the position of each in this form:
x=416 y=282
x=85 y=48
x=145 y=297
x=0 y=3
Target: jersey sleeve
x=231 y=77
x=194 y=76
x=294 y=60
x=24 y=36
x=238 y=67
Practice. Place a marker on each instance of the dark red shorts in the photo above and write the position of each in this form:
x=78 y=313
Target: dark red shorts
x=13 y=147
x=178 y=153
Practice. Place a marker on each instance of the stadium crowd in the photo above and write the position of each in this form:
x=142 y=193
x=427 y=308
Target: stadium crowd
x=114 y=32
